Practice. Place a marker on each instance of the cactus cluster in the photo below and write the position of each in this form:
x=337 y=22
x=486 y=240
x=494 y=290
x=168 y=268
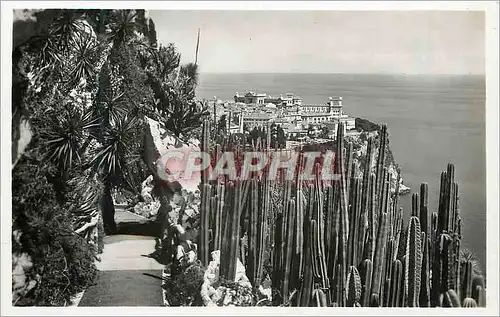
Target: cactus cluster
x=339 y=243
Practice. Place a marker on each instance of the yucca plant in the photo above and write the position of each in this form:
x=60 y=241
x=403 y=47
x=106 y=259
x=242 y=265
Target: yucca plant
x=65 y=134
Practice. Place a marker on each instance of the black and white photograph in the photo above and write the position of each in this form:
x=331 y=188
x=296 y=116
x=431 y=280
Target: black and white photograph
x=297 y=158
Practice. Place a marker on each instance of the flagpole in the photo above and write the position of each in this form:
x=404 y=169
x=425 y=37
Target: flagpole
x=197 y=45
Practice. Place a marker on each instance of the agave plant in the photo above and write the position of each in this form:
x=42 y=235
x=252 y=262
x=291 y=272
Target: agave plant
x=173 y=87
x=84 y=58
x=65 y=28
x=122 y=26
x=65 y=136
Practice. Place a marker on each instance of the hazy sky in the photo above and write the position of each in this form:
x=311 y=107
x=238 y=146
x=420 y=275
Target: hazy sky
x=424 y=42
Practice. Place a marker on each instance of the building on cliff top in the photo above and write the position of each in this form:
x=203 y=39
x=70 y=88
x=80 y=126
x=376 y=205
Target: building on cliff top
x=251 y=97
x=255 y=109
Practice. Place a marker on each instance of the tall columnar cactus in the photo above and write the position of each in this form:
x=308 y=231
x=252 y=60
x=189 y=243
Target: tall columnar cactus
x=450 y=299
x=288 y=252
x=477 y=284
x=374 y=301
x=203 y=239
x=308 y=280
x=396 y=284
x=203 y=248
x=442 y=211
x=361 y=237
x=467 y=283
x=414 y=263
x=320 y=298
x=379 y=256
x=349 y=168
x=424 y=209
x=379 y=276
x=353 y=287
x=415 y=210
x=481 y=296
x=255 y=234
x=366 y=281
x=230 y=249
x=205 y=147
x=218 y=225
x=343 y=243
x=446 y=245
x=354 y=223
x=318 y=214
x=454 y=263
x=395 y=203
x=398 y=234
x=318 y=260
x=446 y=197
x=225 y=252
x=402 y=299
x=365 y=192
x=387 y=268
x=381 y=159
x=425 y=287
x=344 y=221
x=332 y=229
x=299 y=238
x=436 y=272
x=372 y=222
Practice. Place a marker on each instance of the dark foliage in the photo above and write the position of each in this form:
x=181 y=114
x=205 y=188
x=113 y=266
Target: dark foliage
x=365 y=125
x=63 y=260
x=184 y=288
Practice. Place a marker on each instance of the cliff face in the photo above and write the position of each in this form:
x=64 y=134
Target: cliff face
x=360 y=143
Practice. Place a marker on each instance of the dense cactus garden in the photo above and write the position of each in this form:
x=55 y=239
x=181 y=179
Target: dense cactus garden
x=341 y=243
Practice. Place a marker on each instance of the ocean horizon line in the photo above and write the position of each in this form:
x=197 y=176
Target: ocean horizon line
x=342 y=73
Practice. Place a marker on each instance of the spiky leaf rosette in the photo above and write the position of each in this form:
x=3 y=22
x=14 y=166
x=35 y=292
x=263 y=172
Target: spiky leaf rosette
x=64 y=135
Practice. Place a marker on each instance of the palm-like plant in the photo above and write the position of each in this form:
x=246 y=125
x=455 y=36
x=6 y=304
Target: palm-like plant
x=84 y=57
x=111 y=160
x=55 y=46
x=65 y=28
x=173 y=89
x=126 y=79
x=65 y=134
x=118 y=138
x=123 y=26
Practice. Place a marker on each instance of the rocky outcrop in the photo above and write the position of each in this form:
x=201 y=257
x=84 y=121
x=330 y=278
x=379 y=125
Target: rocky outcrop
x=149 y=205
x=214 y=293
x=158 y=143
x=360 y=144
x=21 y=265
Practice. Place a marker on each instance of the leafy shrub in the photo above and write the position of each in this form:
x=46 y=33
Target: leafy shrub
x=63 y=260
x=184 y=289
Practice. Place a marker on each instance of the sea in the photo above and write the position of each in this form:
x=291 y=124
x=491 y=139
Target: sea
x=432 y=120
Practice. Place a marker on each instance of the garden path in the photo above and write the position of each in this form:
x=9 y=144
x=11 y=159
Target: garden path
x=123 y=278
